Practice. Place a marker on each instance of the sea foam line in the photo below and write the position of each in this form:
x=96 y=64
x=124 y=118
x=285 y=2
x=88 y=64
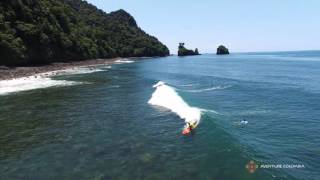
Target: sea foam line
x=186 y=85
x=42 y=80
x=30 y=83
x=205 y=89
x=165 y=96
x=123 y=61
x=210 y=111
x=81 y=70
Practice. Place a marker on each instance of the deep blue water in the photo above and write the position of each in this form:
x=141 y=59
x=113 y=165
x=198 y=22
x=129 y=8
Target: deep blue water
x=105 y=129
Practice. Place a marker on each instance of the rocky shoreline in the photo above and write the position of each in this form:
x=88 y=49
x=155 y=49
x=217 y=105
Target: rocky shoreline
x=7 y=73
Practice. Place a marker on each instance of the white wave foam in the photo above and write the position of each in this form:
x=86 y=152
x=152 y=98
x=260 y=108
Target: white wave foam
x=74 y=71
x=210 y=111
x=206 y=89
x=30 y=83
x=43 y=80
x=123 y=61
x=185 y=85
x=167 y=97
x=108 y=67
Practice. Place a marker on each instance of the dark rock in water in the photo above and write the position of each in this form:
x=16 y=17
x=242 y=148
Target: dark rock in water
x=196 y=51
x=222 y=50
x=182 y=51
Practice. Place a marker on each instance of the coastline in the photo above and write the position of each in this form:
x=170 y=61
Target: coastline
x=8 y=73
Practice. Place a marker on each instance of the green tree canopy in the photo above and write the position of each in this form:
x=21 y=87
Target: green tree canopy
x=45 y=31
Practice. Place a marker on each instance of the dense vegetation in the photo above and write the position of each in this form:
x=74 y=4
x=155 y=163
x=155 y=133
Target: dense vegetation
x=222 y=50
x=45 y=31
x=182 y=51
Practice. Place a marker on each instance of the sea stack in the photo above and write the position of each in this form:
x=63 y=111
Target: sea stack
x=182 y=51
x=222 y=50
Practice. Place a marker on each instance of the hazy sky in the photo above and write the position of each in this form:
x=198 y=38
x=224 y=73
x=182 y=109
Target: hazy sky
x=241 y=25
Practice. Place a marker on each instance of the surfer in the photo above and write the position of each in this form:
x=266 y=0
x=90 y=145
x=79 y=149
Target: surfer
x=192 y=126
x=189 y=127
x=244 y=122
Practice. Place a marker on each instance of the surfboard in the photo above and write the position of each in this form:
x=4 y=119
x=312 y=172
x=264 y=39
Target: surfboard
x=186 y=130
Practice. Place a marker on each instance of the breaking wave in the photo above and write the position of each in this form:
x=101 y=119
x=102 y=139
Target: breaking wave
x=74 y=71
x=43 y=80
x=30 y=83
x=123 y=61
x=165 y=96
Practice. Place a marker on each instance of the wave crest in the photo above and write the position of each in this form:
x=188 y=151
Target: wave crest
x=165 y=96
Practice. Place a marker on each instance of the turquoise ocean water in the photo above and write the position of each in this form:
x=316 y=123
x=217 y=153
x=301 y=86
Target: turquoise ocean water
x=104 y=128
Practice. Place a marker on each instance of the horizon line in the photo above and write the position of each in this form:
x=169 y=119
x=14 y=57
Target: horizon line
x=261 y=51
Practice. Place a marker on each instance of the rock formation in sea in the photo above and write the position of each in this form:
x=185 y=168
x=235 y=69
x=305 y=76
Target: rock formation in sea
x=182 y=51
x=221 y=50
x=45 y=31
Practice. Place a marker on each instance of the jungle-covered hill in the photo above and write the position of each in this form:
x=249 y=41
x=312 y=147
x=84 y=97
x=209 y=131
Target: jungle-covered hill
x=45 y=31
